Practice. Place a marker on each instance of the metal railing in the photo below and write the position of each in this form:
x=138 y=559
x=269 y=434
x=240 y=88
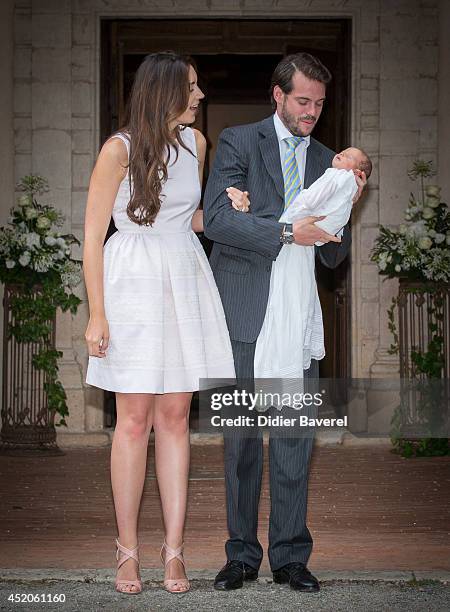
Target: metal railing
x=27 y=423
x=424 y=331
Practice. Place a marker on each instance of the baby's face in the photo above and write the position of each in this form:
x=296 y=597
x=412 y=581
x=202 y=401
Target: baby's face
x=349 y=159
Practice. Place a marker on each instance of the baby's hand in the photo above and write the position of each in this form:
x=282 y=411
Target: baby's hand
x=239 y=199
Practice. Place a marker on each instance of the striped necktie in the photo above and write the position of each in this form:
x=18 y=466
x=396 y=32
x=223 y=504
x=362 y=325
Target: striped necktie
x=292 y=183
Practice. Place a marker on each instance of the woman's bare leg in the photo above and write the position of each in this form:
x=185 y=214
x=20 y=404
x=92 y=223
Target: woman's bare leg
x=172 y=452
x=128 y=467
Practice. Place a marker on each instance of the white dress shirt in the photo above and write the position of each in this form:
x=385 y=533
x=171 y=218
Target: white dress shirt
x=300 y=151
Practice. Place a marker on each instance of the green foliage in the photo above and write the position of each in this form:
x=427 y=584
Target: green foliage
x=428 y=366
x=425 y=447
x=421 y=169
x=394 y=348
x=418 y=251
x=35 y=259
x=33 y=184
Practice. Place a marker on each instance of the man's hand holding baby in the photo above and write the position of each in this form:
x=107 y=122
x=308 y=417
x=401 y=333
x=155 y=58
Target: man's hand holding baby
x=306 y=233
x=304 y=230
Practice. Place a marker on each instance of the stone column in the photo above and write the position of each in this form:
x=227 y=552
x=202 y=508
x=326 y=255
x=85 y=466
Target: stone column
x=444 y=99
x=85 y=142
x=365 y=218
x=52 y=155
x=6 y=124
x=408 y=109
x=408 y=112
x=6 y=109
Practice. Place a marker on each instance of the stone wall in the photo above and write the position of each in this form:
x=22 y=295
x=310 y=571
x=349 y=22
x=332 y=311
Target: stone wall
x=395 y=56
x=6 y=122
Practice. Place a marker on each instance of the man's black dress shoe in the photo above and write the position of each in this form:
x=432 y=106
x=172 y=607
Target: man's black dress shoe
x=298 y=576
x=233 y=574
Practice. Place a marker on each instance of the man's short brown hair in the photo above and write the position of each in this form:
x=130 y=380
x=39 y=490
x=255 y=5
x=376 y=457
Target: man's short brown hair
x=305 y=63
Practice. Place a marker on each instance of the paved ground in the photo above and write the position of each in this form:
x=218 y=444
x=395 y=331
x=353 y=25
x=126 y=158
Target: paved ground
x=262 y=596
x=368 y=510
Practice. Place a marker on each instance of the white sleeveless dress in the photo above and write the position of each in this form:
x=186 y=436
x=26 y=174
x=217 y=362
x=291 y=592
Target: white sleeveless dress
x=166 y=321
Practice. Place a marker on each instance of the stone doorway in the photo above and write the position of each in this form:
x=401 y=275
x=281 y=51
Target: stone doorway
x=235 y=58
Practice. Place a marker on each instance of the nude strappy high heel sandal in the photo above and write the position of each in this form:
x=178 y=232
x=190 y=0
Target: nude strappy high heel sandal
x=127 y=554
x=174 y=553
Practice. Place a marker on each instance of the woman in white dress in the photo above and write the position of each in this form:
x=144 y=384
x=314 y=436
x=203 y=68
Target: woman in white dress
x=156 y=323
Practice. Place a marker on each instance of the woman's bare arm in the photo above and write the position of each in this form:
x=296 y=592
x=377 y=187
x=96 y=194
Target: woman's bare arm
x=109 y=171
x=200 y=141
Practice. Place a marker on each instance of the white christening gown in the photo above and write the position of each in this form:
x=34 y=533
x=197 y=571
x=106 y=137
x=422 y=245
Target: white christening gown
x=166 y=321
x=292 y=331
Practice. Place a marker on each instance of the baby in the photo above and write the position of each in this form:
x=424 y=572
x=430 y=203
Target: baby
x=331 y=195
x=292 y=331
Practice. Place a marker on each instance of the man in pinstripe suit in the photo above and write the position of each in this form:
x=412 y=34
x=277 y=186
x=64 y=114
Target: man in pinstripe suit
x=250 y=157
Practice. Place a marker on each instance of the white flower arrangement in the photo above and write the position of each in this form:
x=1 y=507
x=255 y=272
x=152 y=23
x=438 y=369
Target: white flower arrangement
x=419 y=248
x=36 y=263
x=32 y=245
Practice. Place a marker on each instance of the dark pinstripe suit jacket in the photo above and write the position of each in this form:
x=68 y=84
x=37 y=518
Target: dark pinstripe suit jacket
x=248 y=157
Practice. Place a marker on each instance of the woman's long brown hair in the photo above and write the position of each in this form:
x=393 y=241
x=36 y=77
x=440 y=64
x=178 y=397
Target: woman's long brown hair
x=159 y=95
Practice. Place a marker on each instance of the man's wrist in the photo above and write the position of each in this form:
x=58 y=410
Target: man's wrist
x=287 y=234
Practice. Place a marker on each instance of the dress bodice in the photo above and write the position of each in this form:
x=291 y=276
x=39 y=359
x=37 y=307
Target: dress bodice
x=180 y=194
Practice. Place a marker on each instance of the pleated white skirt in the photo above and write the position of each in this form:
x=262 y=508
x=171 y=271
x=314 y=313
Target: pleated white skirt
x=166 y=321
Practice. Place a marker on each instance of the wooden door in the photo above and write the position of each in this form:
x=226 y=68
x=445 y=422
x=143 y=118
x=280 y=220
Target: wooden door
x=235 y=59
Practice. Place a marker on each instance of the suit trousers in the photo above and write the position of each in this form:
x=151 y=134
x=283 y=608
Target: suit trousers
x=289 y=460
